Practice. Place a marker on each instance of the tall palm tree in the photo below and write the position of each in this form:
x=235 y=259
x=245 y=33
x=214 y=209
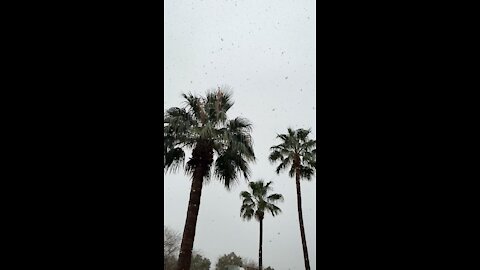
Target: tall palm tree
x=298 y=154
x=226 y=145
x=256 y=203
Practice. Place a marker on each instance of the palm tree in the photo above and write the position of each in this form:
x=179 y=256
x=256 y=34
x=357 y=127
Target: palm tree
x=202 y=126
x=298 y=153
x=255 y=204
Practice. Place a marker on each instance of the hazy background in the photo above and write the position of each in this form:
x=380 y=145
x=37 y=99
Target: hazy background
x=265 y=51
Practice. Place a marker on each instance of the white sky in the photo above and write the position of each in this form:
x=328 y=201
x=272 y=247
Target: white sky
x=265 y=51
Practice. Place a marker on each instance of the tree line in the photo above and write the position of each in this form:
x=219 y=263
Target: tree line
x=171 y=246
x=222 y=148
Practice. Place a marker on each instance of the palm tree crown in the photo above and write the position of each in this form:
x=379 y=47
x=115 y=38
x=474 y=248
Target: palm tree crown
x=256 y=203
x=202 y=125
x=296 y=152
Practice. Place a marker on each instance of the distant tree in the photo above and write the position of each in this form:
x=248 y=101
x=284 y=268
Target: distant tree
x=199 y=262
x=170 y=263
x=228 y=259
x=171 y=246
x=250 y=264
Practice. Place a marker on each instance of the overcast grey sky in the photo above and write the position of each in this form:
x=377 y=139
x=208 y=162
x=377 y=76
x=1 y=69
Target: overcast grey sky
x=265 y=51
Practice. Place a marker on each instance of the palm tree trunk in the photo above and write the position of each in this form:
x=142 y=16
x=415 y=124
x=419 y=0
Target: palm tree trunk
x=260 y=246
x=185 y=257
x=300 y=218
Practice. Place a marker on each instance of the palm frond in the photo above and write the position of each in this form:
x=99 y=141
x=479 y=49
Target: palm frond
x=309 y=159
x=274 y=210
x=296 y=146
x=247 y=213
x=194 y=105
x=308 y=145
x=275 y=197
x=291 y=172
x=178 y=120
x=252 y=186
x=173 y=158
x=284 y=137
x=228 y=166
x=240 y=124
x=248 y=202
x=268 y=187
x=283 y=165
x=237 y=152
x=275 y=155
x=302 y=134
x=218 y=102
x=245 y=194
x=306 y=172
